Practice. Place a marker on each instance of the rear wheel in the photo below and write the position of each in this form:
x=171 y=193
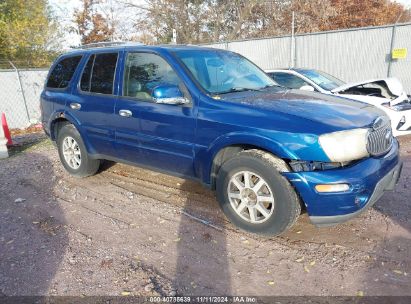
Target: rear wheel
x=73 y=153
x=255 y=196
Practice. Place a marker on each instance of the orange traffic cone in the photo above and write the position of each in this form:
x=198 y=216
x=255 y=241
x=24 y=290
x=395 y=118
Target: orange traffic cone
x=6 y=129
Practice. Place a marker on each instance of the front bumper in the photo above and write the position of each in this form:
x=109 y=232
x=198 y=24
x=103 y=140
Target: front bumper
x=368 y=179
x=388 y=182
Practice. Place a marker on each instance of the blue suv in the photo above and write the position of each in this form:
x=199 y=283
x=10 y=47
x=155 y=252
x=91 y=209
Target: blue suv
x=213 y=116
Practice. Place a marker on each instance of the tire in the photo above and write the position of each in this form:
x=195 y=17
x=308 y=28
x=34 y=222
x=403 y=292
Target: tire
x=270 y=206
x=77 y=161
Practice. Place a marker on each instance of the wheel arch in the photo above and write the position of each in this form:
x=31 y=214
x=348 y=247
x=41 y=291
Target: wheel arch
x=61 y=118
x=222 y=151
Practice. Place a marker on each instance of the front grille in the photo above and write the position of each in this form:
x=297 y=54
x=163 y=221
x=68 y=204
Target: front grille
x=380 y=138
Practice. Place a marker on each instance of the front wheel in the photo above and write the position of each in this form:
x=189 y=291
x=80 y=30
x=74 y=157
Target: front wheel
x=73 y=153
x=255 y=196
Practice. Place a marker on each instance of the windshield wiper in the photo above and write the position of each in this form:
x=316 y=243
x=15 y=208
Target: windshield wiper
x=238 y=89
x=271 y=85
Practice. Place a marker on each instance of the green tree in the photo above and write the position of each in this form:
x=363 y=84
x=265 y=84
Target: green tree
x=27 y=32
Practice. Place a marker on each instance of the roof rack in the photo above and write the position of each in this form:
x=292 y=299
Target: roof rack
x=107 y=44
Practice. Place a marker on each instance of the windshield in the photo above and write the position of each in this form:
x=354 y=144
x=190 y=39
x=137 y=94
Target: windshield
x=322 y=79
x=220 y=72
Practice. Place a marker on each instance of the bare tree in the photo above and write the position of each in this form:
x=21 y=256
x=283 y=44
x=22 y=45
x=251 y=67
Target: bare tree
x=352 y=13
x=92 y=25
x=199 y=21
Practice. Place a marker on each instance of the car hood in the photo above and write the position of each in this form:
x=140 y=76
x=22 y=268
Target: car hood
x=336 y=112
x=391 y=88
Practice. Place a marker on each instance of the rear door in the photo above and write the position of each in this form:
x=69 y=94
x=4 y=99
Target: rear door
x=56 y=90
x=94 y=100
x=155 y=135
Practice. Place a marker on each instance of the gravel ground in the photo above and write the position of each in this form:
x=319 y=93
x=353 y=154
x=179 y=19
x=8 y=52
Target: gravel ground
x=129 y=231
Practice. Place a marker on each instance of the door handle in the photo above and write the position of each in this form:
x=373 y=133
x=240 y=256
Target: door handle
x=125 y=113
x=75 y=106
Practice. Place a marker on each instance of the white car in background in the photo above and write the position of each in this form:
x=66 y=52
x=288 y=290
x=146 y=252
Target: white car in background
x=387 y=94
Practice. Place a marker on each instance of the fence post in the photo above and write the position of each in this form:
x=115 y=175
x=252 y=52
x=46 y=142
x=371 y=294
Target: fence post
x=22 y=90
x=391 y=48
x=392 y=43
x=292 y=42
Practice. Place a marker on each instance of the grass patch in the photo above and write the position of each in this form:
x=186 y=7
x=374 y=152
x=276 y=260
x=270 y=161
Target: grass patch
x=30 y=144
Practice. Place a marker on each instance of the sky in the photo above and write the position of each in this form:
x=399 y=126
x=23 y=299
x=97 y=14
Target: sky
x=407 y=3
x=64 y=10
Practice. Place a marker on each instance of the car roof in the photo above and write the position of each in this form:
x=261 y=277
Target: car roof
x=303 y=69
x=137 y=46
x=298 y=70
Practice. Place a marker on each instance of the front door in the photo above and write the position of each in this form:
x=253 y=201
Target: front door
x=155 y=135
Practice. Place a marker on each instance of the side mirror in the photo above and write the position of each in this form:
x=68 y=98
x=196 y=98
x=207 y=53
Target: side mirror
x=307 y=88
x=169 y=94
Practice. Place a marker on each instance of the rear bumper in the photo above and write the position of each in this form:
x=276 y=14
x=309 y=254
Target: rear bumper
x=368 y=179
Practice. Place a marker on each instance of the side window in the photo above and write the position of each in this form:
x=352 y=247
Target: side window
x=143 y=72
x=288 y=80
x=98 y=75
x=86 y=77
x=63 y=72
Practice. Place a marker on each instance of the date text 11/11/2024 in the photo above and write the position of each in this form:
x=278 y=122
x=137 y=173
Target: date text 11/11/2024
x=206 y=299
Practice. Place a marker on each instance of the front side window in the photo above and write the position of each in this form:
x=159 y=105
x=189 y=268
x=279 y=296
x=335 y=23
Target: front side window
x=98 y=74
x=63 y=72
x=220 y=72
x=144 y=72
x=288 y=80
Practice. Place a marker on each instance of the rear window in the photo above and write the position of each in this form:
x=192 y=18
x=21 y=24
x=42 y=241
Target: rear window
x=62 y=73
x=98 y=75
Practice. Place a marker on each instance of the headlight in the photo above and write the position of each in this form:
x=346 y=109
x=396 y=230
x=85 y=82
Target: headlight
x=401 y=122
x=345 y=146
x=402 y=106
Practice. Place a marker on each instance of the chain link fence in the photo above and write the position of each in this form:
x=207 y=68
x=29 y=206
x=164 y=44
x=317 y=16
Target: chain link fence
x=352 y=55
x=20 y=89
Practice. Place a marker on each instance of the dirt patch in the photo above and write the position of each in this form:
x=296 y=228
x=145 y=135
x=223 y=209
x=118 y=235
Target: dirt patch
x=129 y=231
